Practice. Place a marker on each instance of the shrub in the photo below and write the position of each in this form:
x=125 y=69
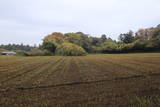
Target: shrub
x=69 y=49
x=21 y=53
x=139 y=45
x=109 y=47
x=39 y=52
x=127 y=47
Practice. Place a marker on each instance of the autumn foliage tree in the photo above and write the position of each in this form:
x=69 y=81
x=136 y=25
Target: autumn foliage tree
x=67 y=45
x=79 y=43
x=50 y=42
x=69 y=49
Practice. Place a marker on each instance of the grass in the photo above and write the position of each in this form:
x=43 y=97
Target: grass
x=145 y=101
x=112 y=80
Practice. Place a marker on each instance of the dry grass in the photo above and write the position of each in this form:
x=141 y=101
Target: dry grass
x=111 y=80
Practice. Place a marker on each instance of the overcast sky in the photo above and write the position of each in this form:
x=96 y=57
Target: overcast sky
x=28 y=21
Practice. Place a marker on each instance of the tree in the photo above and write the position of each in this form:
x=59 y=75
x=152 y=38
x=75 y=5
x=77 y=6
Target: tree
x=49 y=46
x=69 y=49
x=103 y=38
x=127 y=37
x=56 y=38
x=79 y=39
x=12 y=47
x=74 y=38
x=95 y=41
x=50 y=42
x=109 y=47
x=156 y=33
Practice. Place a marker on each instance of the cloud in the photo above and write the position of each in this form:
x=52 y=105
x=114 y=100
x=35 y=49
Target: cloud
x=28 y=21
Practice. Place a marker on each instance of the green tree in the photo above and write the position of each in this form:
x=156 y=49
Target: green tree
x=103 y=38
x=50 y=42
x=79 y=39
x=109 y=47
x=74 y=38
x=127 y=37
x=156 y=33
x=49 y=46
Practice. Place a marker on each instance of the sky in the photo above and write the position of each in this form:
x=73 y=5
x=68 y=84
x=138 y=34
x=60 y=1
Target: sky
x=29 y=21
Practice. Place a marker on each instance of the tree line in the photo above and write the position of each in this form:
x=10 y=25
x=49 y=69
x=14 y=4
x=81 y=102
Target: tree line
x=144 y=40
x=17 y=47
x=79 y=43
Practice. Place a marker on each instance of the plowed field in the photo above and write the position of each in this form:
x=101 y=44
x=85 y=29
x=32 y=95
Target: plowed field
x=102 y=80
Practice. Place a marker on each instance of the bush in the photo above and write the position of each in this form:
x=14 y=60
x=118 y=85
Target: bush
x=21 y=53
x=139 y=45
x=127 y=47
x=108 y=47
x=69 y=49
x=39 y=52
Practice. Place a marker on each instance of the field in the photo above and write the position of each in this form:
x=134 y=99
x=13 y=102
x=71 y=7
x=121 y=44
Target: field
x=111 y=80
